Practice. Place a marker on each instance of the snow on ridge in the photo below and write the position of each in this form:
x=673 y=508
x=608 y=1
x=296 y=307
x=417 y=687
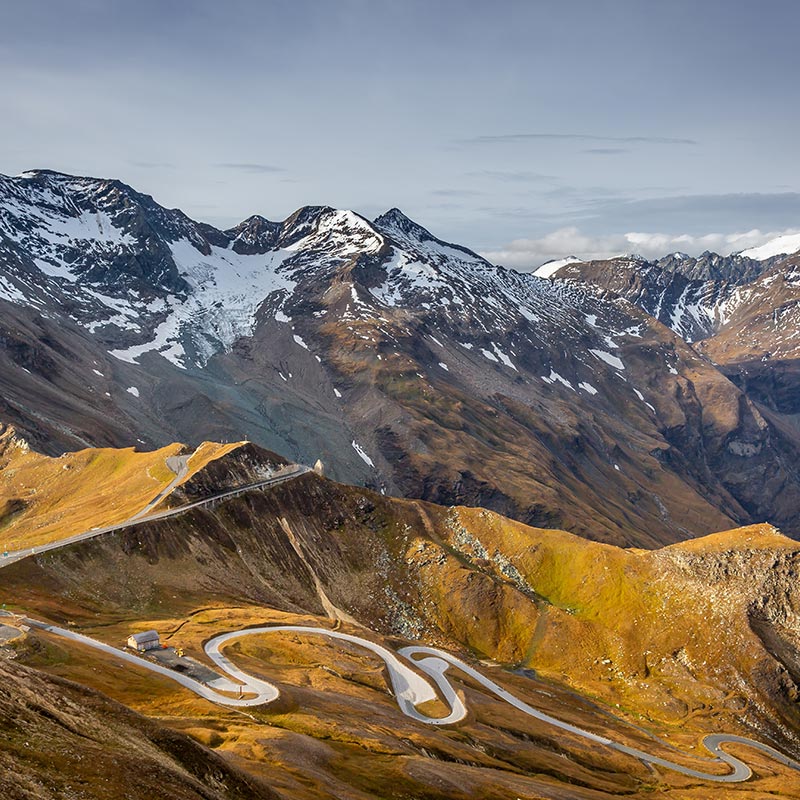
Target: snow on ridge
x=549 y=268
x=347 y=231
x=782 y=245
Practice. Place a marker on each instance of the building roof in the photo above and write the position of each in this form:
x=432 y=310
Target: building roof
x=145 y=636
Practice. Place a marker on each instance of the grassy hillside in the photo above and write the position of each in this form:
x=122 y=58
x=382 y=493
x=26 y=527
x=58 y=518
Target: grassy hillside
x=44 y=499
x=61 y=740
x=652 y=648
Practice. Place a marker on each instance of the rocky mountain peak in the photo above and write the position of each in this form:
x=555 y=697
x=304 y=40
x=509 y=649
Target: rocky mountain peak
x=255 y=235
x=336 y=233
x=403 y=230
x=710 y=266
x=91 y=231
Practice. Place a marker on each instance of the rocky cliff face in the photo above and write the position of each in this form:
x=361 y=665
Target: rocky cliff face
x=751 y=575
x=693 y=296
x=741 y=313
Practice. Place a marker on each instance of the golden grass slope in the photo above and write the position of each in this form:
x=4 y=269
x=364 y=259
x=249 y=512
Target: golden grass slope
x=652 y=648
x=206 y=453
x=44 y=499
x=667 y=632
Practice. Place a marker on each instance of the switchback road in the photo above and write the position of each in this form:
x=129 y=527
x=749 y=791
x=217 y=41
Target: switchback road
x=415 y=673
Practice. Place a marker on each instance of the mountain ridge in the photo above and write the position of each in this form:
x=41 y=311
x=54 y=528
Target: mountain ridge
x=406 y=363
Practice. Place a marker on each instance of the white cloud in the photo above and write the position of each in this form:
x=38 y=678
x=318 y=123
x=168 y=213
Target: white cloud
x=528 y=254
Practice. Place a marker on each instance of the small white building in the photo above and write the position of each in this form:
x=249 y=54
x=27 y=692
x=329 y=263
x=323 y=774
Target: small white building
x=147 y=640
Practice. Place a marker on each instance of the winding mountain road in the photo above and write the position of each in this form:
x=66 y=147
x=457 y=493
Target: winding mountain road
x=416 y=673
x=180 y=467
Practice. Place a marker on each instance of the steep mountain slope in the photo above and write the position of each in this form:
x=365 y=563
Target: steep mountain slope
x=586 y=617
x=742 y=313
x=64 y=740
x=693 y=296
x=758 y=347
x=404 y=362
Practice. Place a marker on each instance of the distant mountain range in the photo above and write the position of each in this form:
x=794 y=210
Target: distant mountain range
x=628 y=401
x=741 y=312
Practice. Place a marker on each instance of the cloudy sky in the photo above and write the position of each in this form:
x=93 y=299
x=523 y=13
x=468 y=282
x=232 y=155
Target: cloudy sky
x=525 y=130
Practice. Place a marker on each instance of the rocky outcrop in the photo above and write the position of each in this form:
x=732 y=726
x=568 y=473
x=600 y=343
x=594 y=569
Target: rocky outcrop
x=245 y=464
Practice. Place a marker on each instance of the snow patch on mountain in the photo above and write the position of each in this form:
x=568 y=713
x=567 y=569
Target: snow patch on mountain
x=611 y=360
x=782 y=245
x=554 y=377
x=299 y=340
x=405 y=274
x=549 y=268
x=8 y=291
x=227 y=290
x=360 y=450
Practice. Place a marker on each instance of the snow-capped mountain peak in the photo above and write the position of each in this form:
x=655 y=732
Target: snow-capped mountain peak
x=782 y=245
x=147 y=279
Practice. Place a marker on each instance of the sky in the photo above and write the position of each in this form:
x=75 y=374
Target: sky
x=523 y=130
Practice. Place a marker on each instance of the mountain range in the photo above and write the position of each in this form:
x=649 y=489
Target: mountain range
x=567 y=498
x=616 y=403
